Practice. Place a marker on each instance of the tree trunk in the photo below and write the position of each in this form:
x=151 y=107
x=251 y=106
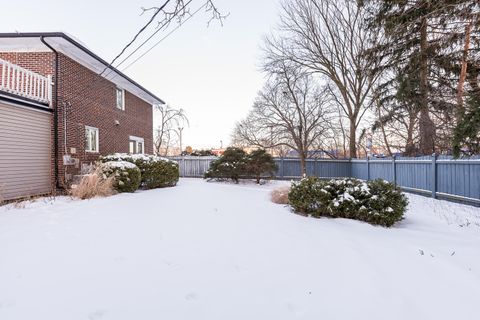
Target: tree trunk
x=303 y=163
x=410 y=145
x=382 y=127
x=352 y=147
x=463 y=74
x=427 y=127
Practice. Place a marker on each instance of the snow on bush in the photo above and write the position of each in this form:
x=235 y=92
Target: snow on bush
x=377 y=202
x=231 y=165
x=156 y=172
x=126 y=175
x=236 y=164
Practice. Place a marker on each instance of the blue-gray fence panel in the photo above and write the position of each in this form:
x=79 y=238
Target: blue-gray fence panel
x=359 y=169
x=194 y=167
x=443 y=176
x=332 y=168
x=381 y=169
x=459 y=177
x=289 y=168
x=414 y=174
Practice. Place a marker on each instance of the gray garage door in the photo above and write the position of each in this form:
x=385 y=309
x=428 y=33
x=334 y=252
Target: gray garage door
x=25 y=152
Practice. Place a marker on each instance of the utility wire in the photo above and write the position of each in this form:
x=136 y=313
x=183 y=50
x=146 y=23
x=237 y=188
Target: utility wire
x=136 y=36
x=165 y=37
x=160 y=28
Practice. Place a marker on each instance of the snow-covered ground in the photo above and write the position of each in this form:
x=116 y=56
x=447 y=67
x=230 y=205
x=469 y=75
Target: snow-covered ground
x=221 y=251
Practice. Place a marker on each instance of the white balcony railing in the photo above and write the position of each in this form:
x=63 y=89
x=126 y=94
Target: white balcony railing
x=25 y=83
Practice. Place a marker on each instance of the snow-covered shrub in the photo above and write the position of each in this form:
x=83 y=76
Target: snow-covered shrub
x=260 y=164
x=156 y=172
x=94 y=184
x=377 y=202
x=236 y=164
x=126 y=175
x=159 y=172
x=231 y=165
x=280 y=195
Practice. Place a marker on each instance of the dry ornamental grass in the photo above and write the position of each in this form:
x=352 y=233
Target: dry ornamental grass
x=280 y=195
x=93 y=185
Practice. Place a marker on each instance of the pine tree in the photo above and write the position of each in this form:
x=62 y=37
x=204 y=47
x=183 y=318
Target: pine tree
x=428 y=46
x=410 y=50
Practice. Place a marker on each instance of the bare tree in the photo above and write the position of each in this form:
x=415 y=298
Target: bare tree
x=170 y=120
x=291 y=111
x=330 y=37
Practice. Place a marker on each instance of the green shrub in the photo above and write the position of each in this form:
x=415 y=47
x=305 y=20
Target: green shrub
x=260 y=164
x=159 y=173
x=231 y=165
x=156 y=172
x=235 y=164
x=126 y=175
x=377 y=202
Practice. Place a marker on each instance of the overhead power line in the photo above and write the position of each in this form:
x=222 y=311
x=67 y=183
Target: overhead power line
x=165 y=37
x=136 y=35
x=160 y=28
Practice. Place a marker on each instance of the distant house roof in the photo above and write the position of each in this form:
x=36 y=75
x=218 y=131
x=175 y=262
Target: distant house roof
x=67 y=45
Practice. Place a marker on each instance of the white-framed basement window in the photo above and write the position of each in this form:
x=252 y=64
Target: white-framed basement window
x=120 y=98
x=136 y=145
x=91 y=139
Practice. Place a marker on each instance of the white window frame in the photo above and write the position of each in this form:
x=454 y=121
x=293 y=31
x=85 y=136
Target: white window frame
x=88 y=146
x=122 y=106
x=137 y=140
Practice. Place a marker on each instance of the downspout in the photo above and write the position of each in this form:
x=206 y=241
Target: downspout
x=55 y=115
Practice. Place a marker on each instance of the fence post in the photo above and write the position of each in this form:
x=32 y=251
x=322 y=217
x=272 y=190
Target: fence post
x=434 y=175
x=283 y=168
x=394 y=170
x=182 y=167
x=315 y=173
x=368 y=168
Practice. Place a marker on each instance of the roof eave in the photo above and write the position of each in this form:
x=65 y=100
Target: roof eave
x=84 y=49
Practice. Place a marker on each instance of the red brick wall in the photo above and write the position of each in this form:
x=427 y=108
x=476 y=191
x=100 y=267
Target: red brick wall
x=87 y=99
x=39 y=62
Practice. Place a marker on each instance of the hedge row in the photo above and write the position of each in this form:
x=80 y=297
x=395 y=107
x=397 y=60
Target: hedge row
x=155 y=172
x=127 y=176
x=377 y=202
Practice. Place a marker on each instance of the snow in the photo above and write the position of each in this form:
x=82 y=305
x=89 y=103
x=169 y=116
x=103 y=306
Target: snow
x=223 y=251
x=135 y=157
x=119 y=165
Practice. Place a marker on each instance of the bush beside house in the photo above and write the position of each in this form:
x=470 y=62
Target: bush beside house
x=156 y=172
x=377 y=202
x=126 y=175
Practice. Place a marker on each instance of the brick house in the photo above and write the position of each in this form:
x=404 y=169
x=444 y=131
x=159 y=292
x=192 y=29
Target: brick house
x=61 y=107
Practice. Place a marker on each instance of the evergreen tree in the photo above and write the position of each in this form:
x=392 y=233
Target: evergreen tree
x=430 y=45
x=467 y=132
x=231 y=165
x=261 y=163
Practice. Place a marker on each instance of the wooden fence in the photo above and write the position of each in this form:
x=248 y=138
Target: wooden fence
x=439 y=177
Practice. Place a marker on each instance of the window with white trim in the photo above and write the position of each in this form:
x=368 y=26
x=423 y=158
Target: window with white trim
x=91 y=139
x=136 y=145
x=120 y=99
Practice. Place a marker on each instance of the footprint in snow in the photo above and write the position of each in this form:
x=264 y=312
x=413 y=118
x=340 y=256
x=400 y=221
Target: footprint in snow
x=191 y=296
x=96 y=315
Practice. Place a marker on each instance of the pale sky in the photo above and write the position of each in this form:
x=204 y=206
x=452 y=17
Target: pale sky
x=211 y=72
